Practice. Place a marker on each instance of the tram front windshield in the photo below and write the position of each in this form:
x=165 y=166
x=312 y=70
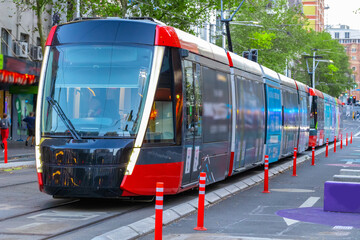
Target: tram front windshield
x=100 y=89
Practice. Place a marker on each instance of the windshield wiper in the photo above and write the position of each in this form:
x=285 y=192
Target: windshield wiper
x=63 y=117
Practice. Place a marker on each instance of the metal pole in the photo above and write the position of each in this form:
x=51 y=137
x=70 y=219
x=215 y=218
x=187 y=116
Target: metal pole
x=223 y=26
x=313 y=71
x=77 y=8
x=227 y=23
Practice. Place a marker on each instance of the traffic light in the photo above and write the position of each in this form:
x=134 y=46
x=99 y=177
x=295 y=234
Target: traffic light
x=354 y=99
x=252 y=55
x=245 y=54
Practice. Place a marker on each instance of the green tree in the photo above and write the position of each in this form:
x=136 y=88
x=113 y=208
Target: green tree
x=40 y=7
x=278 y=35
x=282 y=36
x=182 y=14
x=330 y=78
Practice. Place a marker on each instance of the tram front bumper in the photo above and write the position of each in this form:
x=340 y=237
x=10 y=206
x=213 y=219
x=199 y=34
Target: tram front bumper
x=86 y=168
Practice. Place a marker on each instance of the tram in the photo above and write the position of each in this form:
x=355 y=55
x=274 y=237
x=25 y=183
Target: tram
x=126 y=103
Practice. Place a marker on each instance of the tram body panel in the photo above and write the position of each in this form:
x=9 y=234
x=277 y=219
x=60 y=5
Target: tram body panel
x=320 y=121
x=327 y=116
x=290 y=121
x=253 y=115
x=304 y=116
x=248 y=113
x=273 y=110
x=304 y=122
x=207 y=87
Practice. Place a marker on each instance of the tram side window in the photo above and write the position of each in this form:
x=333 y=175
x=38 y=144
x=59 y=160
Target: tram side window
x=313 y=113
x=161 y=122
x=216 y=111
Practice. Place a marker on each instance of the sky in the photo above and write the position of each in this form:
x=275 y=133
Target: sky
x=342 y=12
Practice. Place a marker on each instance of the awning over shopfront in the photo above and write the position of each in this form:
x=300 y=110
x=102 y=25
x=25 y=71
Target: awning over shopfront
x=18 y=71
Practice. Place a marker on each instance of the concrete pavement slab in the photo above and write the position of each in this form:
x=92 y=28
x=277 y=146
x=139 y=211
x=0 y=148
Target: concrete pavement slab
x=212 y=197
x=143 y=226
x=125 y=233
x=183 y=209
x=232 y=188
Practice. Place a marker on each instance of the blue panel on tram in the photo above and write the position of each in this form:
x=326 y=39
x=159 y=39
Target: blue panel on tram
x=273 y=135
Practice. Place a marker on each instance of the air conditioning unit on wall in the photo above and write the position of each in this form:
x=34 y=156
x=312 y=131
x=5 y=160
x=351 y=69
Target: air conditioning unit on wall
x=21 y=49
x=36 y=53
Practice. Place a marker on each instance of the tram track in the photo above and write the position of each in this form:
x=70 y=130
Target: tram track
x=97 y=221
x=38 y=210
x=17 y=184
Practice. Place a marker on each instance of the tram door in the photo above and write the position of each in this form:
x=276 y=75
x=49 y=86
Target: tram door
x=192 y=123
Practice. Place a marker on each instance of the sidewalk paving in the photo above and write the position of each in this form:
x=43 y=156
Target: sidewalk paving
x=18 y=155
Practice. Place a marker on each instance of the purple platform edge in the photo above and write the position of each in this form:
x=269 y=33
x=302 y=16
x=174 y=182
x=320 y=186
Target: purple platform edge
x=342 y=197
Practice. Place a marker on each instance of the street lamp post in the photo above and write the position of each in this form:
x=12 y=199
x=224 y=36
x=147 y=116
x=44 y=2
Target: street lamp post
x=316 y=60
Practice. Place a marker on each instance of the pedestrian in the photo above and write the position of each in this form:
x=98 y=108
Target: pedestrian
x=30 y=123
x=4 y=125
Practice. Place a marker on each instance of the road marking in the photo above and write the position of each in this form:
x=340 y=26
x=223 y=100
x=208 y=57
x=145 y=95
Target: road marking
x=294 y=190
x=5 y=206
x=348 y=163
x=343 y=228
x=66 y=215
x=308 y=203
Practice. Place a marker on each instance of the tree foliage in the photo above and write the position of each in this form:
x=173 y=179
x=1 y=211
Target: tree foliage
x=40 y=8
x=282 y=38
x=281 y=35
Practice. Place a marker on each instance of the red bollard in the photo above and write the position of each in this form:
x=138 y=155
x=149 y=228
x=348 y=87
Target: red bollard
x=351 y=138
x=327 y=148
x=5 y=151
x=266 y=175
x=341 y=141
x=201 y=203
x=159 y=210
x=294 y=162
x=346 y=139
x=334 y=143
x=313 y=156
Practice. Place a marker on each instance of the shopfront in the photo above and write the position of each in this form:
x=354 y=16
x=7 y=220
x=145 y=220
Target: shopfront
x=18 y=91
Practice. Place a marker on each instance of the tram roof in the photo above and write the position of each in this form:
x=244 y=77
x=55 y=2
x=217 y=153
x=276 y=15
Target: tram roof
x=315 y=92
x=287 y=81
x=147 y=31
x=270 y=74
x=244 y=64
x=329 y=98
x=302 y=87
x=199 y=46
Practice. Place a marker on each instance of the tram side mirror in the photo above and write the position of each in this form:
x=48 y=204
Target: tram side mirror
x=184 y=53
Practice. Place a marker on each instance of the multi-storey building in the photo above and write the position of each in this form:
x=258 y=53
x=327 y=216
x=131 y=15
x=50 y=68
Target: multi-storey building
x=20 y=61
x=314 y=11
x=350 y=39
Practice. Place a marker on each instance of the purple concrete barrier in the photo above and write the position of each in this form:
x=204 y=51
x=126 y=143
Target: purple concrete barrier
x=342 y=197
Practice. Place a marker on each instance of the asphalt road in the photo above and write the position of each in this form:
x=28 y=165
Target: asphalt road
x=252 y=214
x=26 y=213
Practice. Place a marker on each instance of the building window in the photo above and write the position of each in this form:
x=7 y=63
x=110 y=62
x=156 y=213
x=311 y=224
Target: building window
x=353 y=76
x=353 y=57
x=24 y=37
x=353 y=49
x=353 y=68
x=336 y=35
x=347 y=34
x=5 y=41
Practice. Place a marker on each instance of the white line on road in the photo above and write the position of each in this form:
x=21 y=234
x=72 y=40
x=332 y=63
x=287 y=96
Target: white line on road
x=308 y=203
x=348 y=163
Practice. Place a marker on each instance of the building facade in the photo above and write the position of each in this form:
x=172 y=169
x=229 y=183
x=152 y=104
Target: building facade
x=314 y=11
x=20 y=63
x=350 y=39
